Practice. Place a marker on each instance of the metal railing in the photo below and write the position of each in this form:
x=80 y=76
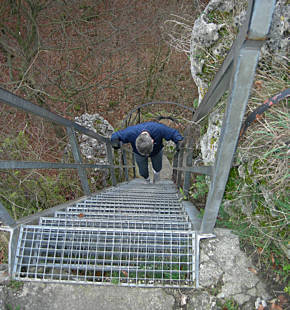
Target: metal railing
x=12 y=100
x=236 y=75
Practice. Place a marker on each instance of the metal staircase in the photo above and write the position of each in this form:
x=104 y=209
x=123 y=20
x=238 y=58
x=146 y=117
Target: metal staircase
x=133 y=235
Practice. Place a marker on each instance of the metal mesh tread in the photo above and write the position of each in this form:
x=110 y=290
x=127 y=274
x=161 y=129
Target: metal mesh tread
x=111 y=223
x=131 y=235
x=122 y=217
x=127 y=203
x=105 y=256
x=133 y=208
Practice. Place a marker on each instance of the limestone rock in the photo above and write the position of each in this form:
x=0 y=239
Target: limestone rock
x=91 y=148
x=202 y=300
x=225 y=5
x=278 y=38
x=209 y=141
x=206 y=40
x=206 y=45
x=224 y=266
x=205 y=34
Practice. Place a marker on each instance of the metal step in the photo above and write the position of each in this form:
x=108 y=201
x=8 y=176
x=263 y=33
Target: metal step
x=111 y=223
x=132 y=235
x=122 y=217
x=132 y=257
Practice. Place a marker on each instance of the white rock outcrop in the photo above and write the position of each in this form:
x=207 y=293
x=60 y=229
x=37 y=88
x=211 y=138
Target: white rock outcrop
x=93 y=149
x=207 y=44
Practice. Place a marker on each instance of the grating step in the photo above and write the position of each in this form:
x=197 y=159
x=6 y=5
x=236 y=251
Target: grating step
x=131 y=257
x=136 y=199
x=122 y=217
x=127 y=203
x=133 y=215
x=140 y=195
x=143 y=189
x=118 y=208
x=149 y=225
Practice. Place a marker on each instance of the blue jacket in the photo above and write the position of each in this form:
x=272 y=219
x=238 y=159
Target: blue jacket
x=156 y=130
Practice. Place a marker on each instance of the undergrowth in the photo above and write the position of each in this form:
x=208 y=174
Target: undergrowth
x=257 y=193
x=256 y=199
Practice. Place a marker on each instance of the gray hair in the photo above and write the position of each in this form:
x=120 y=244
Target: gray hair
x=144 y=144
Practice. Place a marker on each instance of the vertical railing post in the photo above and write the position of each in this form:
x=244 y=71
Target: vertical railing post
x=5 y=217
x=134 y=164
x=190 y=132
x=174 y=166
x=121 y=170
x=14 y=235
x=111 y=162
x=124 y=161
x=139 y=116
x=180 y=165
x=187 y=174
x=78 y=159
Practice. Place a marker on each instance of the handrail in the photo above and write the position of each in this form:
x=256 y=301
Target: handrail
x=15 y=101
x=14 y=164
x=20 y=103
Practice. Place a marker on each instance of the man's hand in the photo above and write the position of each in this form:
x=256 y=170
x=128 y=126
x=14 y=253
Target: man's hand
x=177 y=147
x=116 y=144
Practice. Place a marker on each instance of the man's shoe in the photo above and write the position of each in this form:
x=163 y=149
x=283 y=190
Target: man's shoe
x=147 y=181
x=156 y=177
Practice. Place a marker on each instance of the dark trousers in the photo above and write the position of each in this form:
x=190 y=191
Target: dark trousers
x=142 y=163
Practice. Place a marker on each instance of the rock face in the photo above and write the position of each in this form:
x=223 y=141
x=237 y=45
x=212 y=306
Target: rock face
x=91 y=148
x=226 y=270
x=206 y=39
x=208 y=45
x=278 y=39
x=209 y=141
x=212 y=36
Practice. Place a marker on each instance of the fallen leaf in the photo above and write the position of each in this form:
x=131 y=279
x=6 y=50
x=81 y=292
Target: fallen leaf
x=253 y=270
x=125 y=273
x=272 y=258
x=282 y=299
x=259 y=116
x=258 y=84
x=81 y=215
x=276 y=307
x=260 y=250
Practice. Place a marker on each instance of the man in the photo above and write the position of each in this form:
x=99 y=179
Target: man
x=146 y=141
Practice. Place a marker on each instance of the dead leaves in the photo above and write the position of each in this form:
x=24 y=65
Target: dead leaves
x=125 y=273
x=273 y=261
x=282 y=300
x=276 y=307
x=279 y=303
x=253 y=270
x=258 y=85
